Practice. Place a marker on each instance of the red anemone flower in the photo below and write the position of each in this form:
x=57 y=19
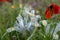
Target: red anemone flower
x=56 y=8
x=48 y=15
x=52 y=9
x=4 y=0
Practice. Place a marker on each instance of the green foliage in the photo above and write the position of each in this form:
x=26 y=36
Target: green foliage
x=8 y=16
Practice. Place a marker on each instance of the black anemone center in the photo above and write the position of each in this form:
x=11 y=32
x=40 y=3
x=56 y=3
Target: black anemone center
x=51 y=7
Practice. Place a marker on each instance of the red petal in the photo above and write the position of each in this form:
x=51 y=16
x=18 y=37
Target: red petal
x=56 y=9
x=48 y=15
x=4 y=0
x=1 y=0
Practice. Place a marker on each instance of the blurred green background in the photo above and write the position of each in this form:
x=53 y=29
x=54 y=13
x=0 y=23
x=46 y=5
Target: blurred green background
x=10 y=10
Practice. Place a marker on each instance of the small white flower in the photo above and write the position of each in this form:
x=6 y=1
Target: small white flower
x=31 y=14
x=20 y=5
x=33 y=11
x=55 y=36
x=37 y=11
x=38 y=16
x=44 y=22
x=37 y=25
x=11 y=29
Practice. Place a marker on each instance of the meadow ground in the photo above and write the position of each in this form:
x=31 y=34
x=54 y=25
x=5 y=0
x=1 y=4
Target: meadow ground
x=8 y=16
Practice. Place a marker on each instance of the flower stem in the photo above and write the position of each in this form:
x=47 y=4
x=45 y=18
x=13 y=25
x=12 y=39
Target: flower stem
x=32 y=33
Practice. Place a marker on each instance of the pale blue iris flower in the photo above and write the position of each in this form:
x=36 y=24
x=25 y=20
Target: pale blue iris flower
x=57 y=28
x=54 y=31
x=23 y=23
